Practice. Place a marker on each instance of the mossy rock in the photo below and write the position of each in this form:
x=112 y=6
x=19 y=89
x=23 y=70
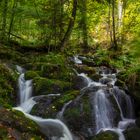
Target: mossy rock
x=8 y=82
x=120 y=84
x=48 y=107
x=89 y=62
x=13 y=124
x=78 y=116
x=95 y=77
x=85 y=69
x=52 y=71
x=107 y=135
x=31 y=75
x=48 y=86
x=132 y=134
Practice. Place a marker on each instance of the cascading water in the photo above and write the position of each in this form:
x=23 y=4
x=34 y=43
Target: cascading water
x=53 y=128
x=104 y=100
x=25 y=88
x=102 y=111
x=102 y=107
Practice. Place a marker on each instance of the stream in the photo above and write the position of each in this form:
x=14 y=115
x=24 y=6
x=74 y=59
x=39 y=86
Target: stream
x=104 y=102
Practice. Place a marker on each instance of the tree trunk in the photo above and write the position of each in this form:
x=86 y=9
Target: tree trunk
x=70 y=26
x=4 y=18
x=12 y=19
x=114 y=45
x=84 y=22
x=109 y=23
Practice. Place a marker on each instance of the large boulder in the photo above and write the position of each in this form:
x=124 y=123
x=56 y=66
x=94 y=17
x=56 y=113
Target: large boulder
x=79 y=82
x=43 y=86
x=132 y=133
x=48 y=107
x=78 y=117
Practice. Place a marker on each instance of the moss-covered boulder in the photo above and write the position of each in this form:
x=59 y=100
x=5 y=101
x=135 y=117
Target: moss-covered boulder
x=14 y=125
x=95 y=77
x=31 y=75
x=132 y=133
x=53 y=66
x=78 y=116
x=107 y=135
x=48 y=107
x=44 y=86
x=79 y=82
x=89 y=62
x=85 y=69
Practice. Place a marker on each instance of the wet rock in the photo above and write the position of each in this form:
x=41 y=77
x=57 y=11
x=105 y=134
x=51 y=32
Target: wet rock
x=132 y=133
x=107 y=70
x=105 y=80
x=45 y=107
x=96 y=77
x=48 y=107
x=79 y=82
x=138 y=122
x=78 y=117
x=85 y=69
x=89 y=62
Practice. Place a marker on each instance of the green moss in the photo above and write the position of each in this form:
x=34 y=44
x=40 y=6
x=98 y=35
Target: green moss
x=16 y=121
x=108 y=135
x=47 y=86
x=30 y=75
x=69 y=95
x=78 y=119
x=8 y=81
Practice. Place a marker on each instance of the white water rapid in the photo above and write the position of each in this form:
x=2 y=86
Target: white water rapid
x=53 y=128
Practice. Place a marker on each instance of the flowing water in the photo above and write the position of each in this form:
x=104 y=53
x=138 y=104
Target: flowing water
x=102 y=107
x=53 y=128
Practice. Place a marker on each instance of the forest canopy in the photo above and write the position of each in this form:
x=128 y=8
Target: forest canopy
x=56 y=23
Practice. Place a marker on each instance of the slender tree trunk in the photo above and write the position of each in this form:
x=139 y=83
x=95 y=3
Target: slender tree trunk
x=84 y=22
x=4 y=18
x=115 y=46
x=109 y=23
x=70 y=26
x=61 y=20
x=12 y=18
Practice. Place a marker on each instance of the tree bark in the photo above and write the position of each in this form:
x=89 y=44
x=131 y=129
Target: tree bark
x=114 y=45
x=70 y=26
x=84 y=22
x=12 y=19
x=4 y=18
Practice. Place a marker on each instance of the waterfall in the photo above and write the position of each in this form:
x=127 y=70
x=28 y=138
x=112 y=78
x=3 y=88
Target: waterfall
x=102 y=106
x=77 y=60
x=102 y=111
x=25 y=88
x=53 y=128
